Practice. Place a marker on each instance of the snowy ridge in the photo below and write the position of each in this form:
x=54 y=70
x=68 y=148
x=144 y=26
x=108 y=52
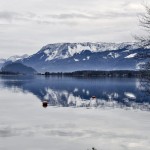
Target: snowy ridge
x=16 y=57
x=66 y=57
x=12 y=59
x=66 y=50
x=2 y=61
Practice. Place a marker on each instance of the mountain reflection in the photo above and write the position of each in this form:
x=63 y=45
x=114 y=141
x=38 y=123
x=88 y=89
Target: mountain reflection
x=82 y=92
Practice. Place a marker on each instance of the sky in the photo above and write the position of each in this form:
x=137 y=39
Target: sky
x=28 y=25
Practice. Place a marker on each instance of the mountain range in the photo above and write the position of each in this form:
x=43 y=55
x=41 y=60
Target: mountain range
x=67 y=57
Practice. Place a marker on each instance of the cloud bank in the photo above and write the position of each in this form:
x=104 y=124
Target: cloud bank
x=25 y=26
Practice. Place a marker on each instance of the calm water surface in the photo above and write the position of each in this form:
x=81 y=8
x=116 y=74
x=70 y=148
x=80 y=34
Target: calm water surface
x=81 y=92
x=79 y=115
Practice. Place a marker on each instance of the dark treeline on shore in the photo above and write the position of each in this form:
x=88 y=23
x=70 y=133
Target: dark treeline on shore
x=90 y=73
x=8 y=73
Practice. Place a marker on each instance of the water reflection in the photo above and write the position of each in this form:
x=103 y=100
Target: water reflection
x=81 y=92
x=145 y=85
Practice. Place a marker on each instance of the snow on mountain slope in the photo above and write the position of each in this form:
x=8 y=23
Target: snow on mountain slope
x=2 y=61
x=16 y=57
x=131 y=55
x=84 y=56
x=11 y=59
x=113 y=55
x=66 y=50
x=66 y=57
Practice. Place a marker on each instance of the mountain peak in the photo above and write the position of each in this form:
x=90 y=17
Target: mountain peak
x=17 y=57
x=66 y=50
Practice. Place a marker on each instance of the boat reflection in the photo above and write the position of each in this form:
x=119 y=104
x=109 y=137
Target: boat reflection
x=45 y=104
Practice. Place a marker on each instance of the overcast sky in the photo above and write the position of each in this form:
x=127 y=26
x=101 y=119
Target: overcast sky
x=27 y=25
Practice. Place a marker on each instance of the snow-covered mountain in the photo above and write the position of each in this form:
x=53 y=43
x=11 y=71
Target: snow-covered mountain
x=12 y=59
x=66 y=50
x=2 y=61
x=66 y=57
x=16 y=57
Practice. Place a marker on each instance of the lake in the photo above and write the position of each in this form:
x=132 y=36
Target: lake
x=105 y=113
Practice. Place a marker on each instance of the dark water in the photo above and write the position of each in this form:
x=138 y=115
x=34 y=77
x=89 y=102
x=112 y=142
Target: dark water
x=82 y=92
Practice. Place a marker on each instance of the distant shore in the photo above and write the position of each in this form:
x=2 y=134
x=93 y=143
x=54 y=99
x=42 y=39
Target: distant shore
x=9 y=73
x=90 y=73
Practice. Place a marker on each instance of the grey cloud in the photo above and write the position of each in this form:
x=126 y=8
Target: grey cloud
x=15 y=16
x=65 y=133
x=69 y=18
x=8 y=15
x=89 y=16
